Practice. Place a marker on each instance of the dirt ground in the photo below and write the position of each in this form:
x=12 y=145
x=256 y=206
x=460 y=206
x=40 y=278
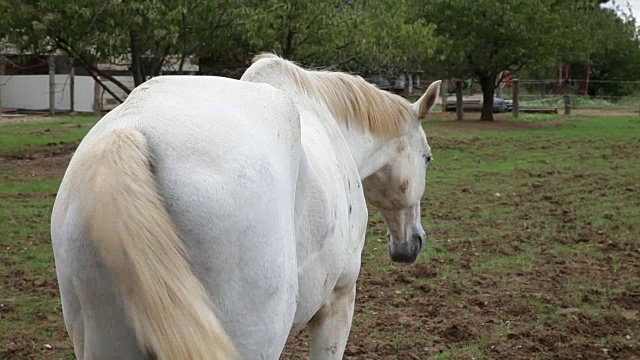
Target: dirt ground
x=446 y=306
x=40 y=164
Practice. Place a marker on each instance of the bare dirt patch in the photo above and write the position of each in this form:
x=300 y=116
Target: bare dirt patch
x=37 y=164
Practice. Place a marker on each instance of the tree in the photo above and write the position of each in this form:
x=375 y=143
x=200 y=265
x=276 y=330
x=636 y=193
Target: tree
x=142 y=34
x=482 y=38
x=361 y=36
x=607 y=45
x=615 y=54
x=354 y=35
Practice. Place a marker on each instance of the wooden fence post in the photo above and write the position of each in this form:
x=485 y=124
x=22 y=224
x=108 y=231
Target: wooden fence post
x=408 y=84
x=444 y=93
x=567 y=100
x=3 y=62
x=516 y=98
x=52 y=84
x=97 y=101
x=72 y=89
x=638 y=98
x=459 y=110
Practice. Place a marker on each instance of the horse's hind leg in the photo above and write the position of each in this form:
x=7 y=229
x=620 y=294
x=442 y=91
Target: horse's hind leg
x=93 y=314
x=331 y=325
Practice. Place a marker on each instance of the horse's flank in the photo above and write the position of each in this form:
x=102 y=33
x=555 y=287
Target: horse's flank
x=349 y=97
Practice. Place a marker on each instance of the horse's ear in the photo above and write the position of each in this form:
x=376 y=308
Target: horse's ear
x=426 y=101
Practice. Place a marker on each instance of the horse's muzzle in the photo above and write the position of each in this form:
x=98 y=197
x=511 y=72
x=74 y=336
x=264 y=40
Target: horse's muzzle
x=408 y=251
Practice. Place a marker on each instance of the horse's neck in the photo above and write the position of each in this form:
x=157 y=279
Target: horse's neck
x=366 y=149
x=369 y=152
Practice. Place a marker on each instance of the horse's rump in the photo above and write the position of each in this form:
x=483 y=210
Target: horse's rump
x=179 y=150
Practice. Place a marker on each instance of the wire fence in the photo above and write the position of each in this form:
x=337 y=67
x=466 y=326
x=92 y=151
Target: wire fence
x=580 y=93
x=32 y=93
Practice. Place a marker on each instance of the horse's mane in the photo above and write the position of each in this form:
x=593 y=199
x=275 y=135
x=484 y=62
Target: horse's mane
x=349 y=97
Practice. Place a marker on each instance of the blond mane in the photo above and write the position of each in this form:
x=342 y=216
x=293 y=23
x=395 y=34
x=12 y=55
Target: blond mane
x=349 y=97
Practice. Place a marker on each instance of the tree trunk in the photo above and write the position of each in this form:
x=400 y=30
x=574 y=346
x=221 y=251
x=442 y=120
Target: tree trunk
x=136 y=61
x=183 y=57
x=287 y=52
x=488 y=85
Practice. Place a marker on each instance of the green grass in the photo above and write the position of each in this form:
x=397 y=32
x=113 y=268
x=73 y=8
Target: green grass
x=532 y=249
x=37 y=134
x=30 y=312
x=35 y=186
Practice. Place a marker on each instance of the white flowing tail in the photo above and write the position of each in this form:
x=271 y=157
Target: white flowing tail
x=138 y=243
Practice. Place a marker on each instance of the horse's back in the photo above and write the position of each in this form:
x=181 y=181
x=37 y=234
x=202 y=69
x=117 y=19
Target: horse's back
x=190 y=110
x=225 y=156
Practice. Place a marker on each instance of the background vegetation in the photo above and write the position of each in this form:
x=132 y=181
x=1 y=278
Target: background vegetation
x=444 y=38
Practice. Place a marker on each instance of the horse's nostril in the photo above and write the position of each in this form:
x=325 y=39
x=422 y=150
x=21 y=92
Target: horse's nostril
x=419 y=239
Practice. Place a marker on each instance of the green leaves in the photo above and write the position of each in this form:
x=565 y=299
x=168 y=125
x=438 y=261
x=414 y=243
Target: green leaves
x=443 y=37
x=483 y=37
x=357 y=35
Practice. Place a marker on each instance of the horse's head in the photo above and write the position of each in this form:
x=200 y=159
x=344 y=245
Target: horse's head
x=397 y=187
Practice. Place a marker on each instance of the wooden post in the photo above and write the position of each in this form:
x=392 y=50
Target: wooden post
x=402 y=81
x=560 y=74
x=567 y=99
x=52 y=84
x=567 y=105
x=408 y=84
x=516 y=98
x=97 y=106
x=459 y=109
x=444 y=92
x=3 y=63
x=586 y=86
x=72 y=88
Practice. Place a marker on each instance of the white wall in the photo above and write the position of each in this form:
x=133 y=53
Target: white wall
x=31 y=92
x=84 y=93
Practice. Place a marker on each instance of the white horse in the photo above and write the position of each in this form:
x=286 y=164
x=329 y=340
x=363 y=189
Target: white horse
x=210 y=218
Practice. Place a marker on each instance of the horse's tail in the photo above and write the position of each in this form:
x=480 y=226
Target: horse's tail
x=139 y=245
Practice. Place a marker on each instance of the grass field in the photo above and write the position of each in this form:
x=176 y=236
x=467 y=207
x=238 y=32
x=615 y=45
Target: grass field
x=533 y=250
